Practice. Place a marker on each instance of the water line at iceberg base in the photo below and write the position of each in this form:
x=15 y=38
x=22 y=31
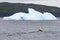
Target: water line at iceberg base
x=32 y=15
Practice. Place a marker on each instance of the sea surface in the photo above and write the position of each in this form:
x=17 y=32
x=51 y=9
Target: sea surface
x=27 y=30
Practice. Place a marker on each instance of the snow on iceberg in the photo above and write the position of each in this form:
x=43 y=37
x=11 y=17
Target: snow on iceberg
x=32 y=15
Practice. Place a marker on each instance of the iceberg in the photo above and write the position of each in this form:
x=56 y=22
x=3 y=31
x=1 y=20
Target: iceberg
x=34 y=15
x=16 y=16
x=31 y=15
x=49 y=16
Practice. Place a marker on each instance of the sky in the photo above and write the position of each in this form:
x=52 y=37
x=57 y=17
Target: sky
x=43 y=2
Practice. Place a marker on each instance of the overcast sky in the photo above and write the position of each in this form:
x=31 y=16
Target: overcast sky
x=44 y=2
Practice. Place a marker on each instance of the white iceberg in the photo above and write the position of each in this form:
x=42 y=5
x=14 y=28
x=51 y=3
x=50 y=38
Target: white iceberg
x=49 y=16
x=16 y=16
x=32 y=15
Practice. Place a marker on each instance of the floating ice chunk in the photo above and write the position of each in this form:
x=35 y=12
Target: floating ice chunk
x=49 y=16
x=16 y=16
x=34 y=15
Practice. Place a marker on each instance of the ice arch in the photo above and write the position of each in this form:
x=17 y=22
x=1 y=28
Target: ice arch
x=32 y=15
